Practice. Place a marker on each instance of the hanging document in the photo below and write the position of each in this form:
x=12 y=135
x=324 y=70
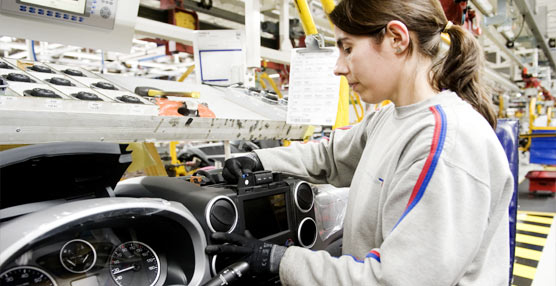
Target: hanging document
x=314 y=89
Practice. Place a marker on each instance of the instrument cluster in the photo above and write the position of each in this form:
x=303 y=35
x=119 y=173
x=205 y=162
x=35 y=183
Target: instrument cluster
x=125 y=252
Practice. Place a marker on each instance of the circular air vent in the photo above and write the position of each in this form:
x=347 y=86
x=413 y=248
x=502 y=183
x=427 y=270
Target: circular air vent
x=41 y=92
x=19 y=77
x=60 y=81
x=307 y=232
x=83 y=95
x=4 y=65
x=129 y=99
x=104 y=85
x=73 y=72
x=221 y=214
x=303 y=196
x=38 y=68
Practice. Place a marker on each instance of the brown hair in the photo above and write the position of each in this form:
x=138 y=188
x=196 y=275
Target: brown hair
x=458 y=70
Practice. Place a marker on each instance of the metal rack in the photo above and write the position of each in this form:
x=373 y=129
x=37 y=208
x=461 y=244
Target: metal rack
x=240 y=115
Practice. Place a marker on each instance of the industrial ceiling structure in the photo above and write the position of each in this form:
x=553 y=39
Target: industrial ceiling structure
x=515 y=34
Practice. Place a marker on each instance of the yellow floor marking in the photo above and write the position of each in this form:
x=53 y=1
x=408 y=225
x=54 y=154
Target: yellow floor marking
x=524 y=238
x=524 y=271
x=532 y=228
x=532 y=218
x=537 y=213
x=528 y=253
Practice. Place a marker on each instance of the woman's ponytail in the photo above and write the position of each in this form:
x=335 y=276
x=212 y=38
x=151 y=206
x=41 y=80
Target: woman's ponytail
x=459 y=70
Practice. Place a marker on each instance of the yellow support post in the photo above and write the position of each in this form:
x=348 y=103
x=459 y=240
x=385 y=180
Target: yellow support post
x=501 y=106
x=342 y=117
x=186 y=73
x=305 y=17
x=328 y=6
x=178 y=167
x=548 y=116
x=532 y=115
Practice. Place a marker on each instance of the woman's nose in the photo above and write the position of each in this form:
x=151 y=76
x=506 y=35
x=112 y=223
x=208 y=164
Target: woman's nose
x=340 y=68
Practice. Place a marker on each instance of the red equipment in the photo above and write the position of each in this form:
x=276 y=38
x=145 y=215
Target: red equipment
x=542 y=181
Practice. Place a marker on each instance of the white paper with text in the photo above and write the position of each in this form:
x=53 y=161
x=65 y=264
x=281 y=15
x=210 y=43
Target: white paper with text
x=314 y=89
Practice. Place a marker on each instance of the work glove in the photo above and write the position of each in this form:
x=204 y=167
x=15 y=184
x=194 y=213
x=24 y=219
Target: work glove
x=262 y=257
x=234 y=168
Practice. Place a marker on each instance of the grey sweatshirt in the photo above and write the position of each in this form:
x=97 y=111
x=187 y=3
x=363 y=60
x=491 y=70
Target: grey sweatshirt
x=430 y=187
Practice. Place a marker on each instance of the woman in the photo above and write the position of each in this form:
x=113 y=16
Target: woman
x=429 y=182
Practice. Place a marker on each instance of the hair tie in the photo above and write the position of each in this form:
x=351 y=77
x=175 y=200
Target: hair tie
x=448 y=26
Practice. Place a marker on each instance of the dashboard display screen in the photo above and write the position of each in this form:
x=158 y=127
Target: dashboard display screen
x=266 y=215
x=73 y=6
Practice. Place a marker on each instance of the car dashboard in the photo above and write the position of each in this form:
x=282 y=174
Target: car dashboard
x=85 y=227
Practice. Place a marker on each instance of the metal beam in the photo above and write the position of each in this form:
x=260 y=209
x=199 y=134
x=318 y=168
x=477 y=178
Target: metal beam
x=253 y=33
x=500 y=16
x=157 y=29
x=213 y=11
x=496 y=77
x=524 y=8
x=495 y=38
x=282 y=57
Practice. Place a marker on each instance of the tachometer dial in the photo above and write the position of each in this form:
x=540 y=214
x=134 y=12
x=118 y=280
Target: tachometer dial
x=134 y=263
x=26 y=275
x=78 y=256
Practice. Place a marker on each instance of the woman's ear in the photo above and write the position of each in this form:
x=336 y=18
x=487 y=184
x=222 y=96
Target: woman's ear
x=397 y=35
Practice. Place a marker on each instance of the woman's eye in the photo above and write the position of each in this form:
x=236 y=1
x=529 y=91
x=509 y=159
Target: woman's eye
x=347 y=50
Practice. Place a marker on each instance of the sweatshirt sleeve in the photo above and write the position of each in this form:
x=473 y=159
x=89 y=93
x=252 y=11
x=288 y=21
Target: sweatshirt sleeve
x=430 y=238
x=330 y=161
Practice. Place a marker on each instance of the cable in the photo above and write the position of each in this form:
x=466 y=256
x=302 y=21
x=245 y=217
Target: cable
x=101 y=61
x=520 y=29
x=33 y=50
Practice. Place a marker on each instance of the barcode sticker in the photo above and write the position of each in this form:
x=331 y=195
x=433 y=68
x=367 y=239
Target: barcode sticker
x=53 y=104
x=95 y=105
x=137 y=109
x=5 y=100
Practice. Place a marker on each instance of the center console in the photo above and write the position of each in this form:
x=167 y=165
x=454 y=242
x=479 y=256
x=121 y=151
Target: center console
x=263 y=205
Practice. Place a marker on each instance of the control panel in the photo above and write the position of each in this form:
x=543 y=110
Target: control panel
x=95 y=13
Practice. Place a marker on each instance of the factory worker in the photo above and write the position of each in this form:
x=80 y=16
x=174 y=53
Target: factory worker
x=429 y=181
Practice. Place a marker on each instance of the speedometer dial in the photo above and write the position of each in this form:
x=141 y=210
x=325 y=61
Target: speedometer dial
x=78 y=256
x=134 y=263
x=26 y=275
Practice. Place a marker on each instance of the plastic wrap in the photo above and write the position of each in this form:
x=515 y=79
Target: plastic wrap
x=330 y=209
x=507 y=132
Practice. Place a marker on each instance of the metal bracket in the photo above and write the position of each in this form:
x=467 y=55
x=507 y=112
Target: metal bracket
x=500 y=16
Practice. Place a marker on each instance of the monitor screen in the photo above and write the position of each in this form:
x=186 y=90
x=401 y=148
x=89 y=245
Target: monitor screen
x=265 y=216
x=73 y=6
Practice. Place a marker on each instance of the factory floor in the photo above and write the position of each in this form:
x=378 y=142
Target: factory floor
x=535 y=252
